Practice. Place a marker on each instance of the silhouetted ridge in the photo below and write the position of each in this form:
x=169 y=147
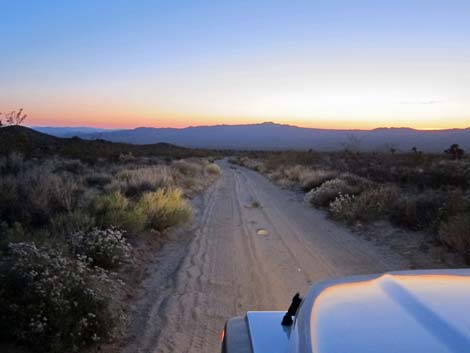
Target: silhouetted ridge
x=273 y=136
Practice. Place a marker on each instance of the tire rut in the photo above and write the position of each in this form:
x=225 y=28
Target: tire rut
x=219 y=267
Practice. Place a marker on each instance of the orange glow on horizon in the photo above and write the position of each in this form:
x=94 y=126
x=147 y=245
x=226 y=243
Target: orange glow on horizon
x=128 y=120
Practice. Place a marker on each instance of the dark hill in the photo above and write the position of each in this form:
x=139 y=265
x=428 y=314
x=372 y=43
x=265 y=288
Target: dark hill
x=32 y=143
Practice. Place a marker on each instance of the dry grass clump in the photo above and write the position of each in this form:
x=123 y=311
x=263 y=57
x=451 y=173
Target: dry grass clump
x=35 y=195
x=314 y=178
x=62 y=225
x=134 y=182
x=293 y=173
x=213 y=168
x=456 y=234
x=165 y=208
x=188 y=167
x=191 y=175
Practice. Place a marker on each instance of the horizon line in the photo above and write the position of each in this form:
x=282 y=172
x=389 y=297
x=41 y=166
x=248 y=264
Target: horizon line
x=244 y=124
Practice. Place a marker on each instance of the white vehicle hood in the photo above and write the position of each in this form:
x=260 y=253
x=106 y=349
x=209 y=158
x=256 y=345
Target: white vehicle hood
x=398 y=312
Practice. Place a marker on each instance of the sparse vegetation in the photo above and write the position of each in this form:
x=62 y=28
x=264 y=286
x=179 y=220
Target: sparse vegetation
x=62 y=224
x=414 y=190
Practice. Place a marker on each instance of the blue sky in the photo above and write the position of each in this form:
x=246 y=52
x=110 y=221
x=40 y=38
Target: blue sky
x=177 y=63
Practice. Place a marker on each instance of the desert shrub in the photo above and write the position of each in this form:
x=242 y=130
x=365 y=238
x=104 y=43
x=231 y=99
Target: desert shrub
x=49 y=302
x=314 y=178
x=10 y=205
x=328 y=191
x=343 y=208
x=114 y=210
x=435 y=175
x=34 y=196
x=255 y=164
x=98 y=180
x=14 y=233
x=72 y=166
x=213 y=168
x=187 y=167
x=134 y=182
x=456 y=202
x=456 y=234
x=370 y=205
x=63 y=191
x=234 y=160
x=12 y=163
x=164 y=208
x=65 y=224
x=107 y=249
x=276 y=160
x=293 y=173
x=126 y=157
x=418 y=212
x=375 y=203
x=358 y=182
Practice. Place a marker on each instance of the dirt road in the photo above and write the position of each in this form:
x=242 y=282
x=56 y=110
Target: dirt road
x=237 y=257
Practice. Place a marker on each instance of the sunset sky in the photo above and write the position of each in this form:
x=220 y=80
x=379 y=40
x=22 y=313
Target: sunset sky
x=326 y=64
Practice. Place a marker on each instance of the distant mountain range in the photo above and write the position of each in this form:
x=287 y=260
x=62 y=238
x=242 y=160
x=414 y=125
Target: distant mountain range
x=271 y=136
x=68 y=131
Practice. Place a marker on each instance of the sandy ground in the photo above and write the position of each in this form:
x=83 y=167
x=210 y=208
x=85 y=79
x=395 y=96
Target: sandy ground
x=251 y=246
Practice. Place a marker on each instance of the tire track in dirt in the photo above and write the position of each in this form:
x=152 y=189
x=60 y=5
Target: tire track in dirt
x=218 y=266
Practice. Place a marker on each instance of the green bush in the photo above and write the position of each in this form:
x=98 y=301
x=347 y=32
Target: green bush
x=49 y=302
x=114 y=210
x=165 y=208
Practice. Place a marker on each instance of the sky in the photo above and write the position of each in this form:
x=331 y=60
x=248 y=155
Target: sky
x=326 y=64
